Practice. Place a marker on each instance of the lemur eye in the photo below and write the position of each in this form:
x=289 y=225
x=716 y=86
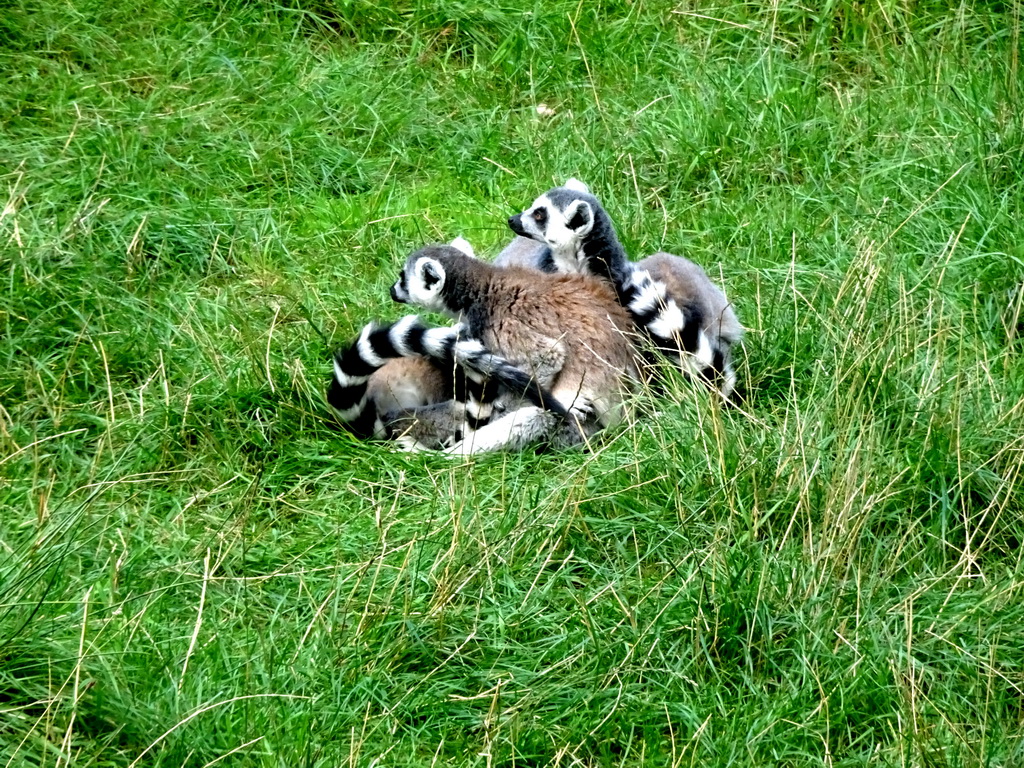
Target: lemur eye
x=540 y=215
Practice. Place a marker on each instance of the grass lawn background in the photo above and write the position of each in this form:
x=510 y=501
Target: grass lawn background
x=196 y=567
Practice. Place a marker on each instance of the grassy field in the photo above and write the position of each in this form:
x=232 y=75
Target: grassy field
x=197 y=568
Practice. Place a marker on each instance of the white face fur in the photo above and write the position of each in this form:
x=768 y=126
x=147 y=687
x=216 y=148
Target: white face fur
x=421 y=283
x=562 y=230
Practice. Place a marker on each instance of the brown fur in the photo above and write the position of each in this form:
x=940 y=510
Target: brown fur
x=533 y=319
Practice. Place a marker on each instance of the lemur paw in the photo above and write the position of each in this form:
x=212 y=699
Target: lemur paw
x=410 y=445
x=460 y=450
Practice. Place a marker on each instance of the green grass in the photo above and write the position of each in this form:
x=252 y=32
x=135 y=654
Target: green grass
x=197 y=568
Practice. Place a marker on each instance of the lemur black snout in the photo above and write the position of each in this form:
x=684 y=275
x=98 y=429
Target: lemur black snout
x=514 y=223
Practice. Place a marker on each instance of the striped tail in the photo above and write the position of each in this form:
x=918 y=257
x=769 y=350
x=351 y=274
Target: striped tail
x=354 y=365
x=676 y=330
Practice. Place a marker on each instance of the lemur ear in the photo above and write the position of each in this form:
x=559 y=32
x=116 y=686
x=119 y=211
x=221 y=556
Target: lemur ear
x=462 y=244
x=431 y=272
x=581 y=217
x=576 y=186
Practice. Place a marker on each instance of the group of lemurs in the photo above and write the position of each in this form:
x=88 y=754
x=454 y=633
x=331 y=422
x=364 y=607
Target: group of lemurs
x=549 y=338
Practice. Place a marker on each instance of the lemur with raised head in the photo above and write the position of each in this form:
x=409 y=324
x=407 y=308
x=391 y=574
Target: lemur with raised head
x=568 y=331
x=670 y=298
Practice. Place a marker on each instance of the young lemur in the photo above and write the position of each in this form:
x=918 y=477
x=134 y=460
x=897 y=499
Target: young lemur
x=670 y=298
x=367 y=405
x=568 y=331
x=362 y=404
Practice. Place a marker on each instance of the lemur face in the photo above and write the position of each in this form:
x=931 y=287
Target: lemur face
x=561 y=219
x=420 y=283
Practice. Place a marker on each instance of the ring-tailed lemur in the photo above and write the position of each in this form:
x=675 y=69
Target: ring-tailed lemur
x=670 y=298
x=355 y=365
x=403 y=387
x=430 y=418
x=568 y=331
